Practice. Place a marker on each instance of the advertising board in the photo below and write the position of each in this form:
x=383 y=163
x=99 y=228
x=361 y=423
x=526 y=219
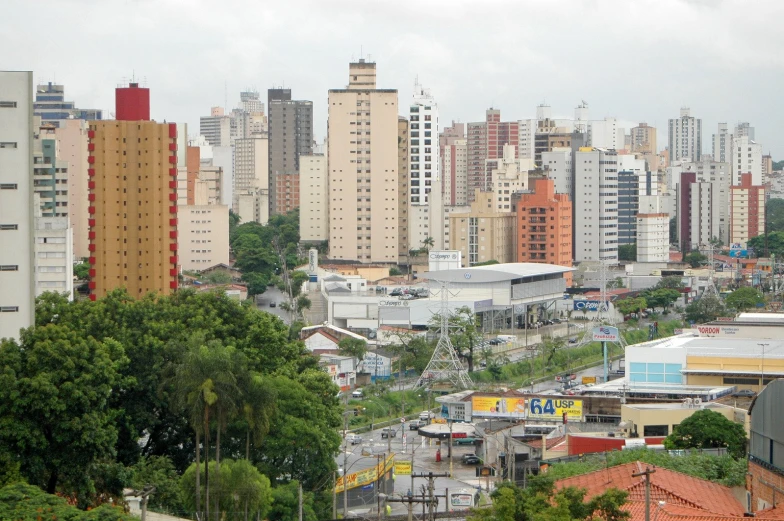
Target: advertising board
x=403 y=468
x=553 y=409
x=587 y=305
x=492 y=406
x=462 y=500
x=606 y=334
x=364 y=477
x=589 y=380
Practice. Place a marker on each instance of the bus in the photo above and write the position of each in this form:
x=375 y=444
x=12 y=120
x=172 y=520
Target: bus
x=463 y=499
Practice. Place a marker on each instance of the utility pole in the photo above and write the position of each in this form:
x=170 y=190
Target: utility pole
x=647 y=473
x=144 y=494
x=300 y=500
x=450 y=448
x=408 y=499
x=430 y=476
x=335 y=497
x=345 y=462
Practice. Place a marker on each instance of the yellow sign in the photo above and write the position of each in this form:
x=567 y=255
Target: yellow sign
x=491 y=406
x=553 y=409
x=403 y=468
x=439 y=420
x=365 y=476
x=589 y=380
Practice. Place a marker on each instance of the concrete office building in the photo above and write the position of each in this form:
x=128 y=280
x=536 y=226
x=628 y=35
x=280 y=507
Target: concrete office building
x=746 y=158
x=685 y=137
x=313 y=194
x=722 y=144
x=17 y=298
x=364 y=172
x=747 y=210
x=509 y=178
x=634 y=181
x=527 y=134
x=605 y=134
x=53 y=255
x=596 y=205
x=558 y=165
x=544 y=226
x=50 y=105
x=719 y=175
x=203 y=236
x=484 y=233
x=216 y=128
x=743 y=129
x=290 y=137
x=50 y=174
x=251 y=177
x=71 y=138
x=133 y=199
x=653 y=230
x=486 y=142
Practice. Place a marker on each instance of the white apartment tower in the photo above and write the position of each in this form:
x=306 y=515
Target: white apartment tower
x=595 y=205
x=423 y=170
x=653 y=230
x=313 y=196
x=364 y=192
x=509 y=178
x=685 y=137
x=17 y=291
x=251 y=178
x=722 y=144
x=746 y=158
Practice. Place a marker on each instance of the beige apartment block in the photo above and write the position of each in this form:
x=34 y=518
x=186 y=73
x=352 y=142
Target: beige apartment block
x=251 y=171
x=204 y=236
x=363 y=159
x=484 y=233
x=313 y=211
x=509 y=178
x=72 y=141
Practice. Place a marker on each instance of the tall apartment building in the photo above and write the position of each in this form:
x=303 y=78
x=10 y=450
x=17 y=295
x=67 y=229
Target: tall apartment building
x=746 y=158
x=290 y=137
x=634 y=181
x=653 y=230
x=50 y=105
x=17 y=296
x=767 y=168
x=50 y=173
x=364 y=172
x=510 y=178
x=743 y=129
x=424 y=151
x=53 y=253
x=643 y=145
x=544 y=225
x=486 y=142
x=133 y=199
x=313 y=195
x=483 y=233
x=605 y=133
x=216 y=128
x=71 y=138
x=595 y=205
x=203 y=231
x=454 y=164
x=403 y=178
x=685 y=137
x=251 y=179
x=697 y=222
x=719 y=175
x=722 y=144
x=527 y=134
x=548 y=139
x=747 y=210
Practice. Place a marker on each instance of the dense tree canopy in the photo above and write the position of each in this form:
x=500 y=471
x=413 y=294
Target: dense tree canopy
x=706 y=429
x=695 y=258
x=743 y=299
x=627 y=252
x=705 y=309
x=23 y=502
x=119 y=357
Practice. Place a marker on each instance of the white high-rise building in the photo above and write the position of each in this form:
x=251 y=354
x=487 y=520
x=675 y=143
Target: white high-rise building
x=722 y=144
x=313 y=196
x=423 y=169
x=251 y=178
x=527 y=135
x=653 y=230
x=606 y=134
x=557 y=164
x=718 y=175
x=685 y=137
x=53 y=253
x=216 y=128
x=17 y=288
x=743 y=129
x=595 y=205
x=509 y=178
x=746 y=158
x=363 y=177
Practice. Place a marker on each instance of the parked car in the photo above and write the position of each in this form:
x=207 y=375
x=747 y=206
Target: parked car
x=425 y=416
x=272 y=304
x=496 y=341
x=389 y=432
x=354 y=439
x=471 y=459
x=357 y=394
x=573 y=340
x=464 y=441
x=414 y=425
x=395 y=293
x=744 y=393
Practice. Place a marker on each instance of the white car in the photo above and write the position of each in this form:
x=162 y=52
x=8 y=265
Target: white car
x=354 y=439
x=357 y=394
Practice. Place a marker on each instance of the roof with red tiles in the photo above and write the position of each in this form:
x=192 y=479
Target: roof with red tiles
x=550 y=442
x=667 y=485
x=671 y=512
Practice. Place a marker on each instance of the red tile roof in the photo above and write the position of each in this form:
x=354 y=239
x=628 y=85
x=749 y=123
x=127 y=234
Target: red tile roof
x=550 y=442
x=667 y=485
x=670 y=512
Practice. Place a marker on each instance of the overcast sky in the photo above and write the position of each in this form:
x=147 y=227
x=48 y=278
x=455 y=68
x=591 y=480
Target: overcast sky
x=636 y=60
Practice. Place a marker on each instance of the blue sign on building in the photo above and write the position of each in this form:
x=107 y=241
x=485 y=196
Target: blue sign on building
x=587 y=305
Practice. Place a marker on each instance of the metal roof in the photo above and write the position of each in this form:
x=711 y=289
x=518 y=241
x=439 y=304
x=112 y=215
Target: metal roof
x=496 y=272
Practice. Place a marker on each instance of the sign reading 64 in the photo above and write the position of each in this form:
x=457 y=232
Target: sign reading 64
x=553 y=409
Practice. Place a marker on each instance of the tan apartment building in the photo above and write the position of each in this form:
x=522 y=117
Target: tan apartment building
x=484 y=233
x=643 y=145
x=133 y=200
x=203 y=236
x=286 y=192
x=251 y=178
x=747 y=210
x=72 y=141
x=363 y=159
x=509 y=178
x=313 y=213
x=403 y=218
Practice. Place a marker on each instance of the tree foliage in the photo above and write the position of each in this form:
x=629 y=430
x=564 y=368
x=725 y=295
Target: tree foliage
x=661 y=298
x=23 y=502
x=464 y=331
x=706 y=429
x=745 y=298
x=695 y=258
x=775 y=242
x=355 y=347
x=631 y=305
x=627 y=252
x=82 y=270
x=705 y=309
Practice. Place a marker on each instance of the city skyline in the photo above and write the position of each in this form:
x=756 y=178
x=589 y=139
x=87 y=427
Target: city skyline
x=676 y=59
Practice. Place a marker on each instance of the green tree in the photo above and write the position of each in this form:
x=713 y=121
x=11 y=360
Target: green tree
x=673 y=230
x=427 y=243
x=285 y=504
x=394 y=271
x=82 y=270
x=705 y=309
x=706 y=429
x=256 y=282
x=55 y=414
x=616 y=283
x=631 y=305
x=258 y=406
x=695 y=259
x=661 y=298
x=671 y=282
x=216 y=277
x=627 y=252
x=743 y=299
x=490 y=262
x=159 y=472
x=775 y=243
x=356 y=347
x=23 y=502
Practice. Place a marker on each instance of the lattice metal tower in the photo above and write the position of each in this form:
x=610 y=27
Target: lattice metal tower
x=603 y=315
x=444 y=365
x=710 y=288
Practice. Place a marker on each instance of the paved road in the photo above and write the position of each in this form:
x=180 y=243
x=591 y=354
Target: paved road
x=273 y=294
x=365 y=455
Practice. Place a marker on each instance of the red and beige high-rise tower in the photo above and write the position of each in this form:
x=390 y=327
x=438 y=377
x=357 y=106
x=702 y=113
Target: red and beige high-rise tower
x=132 y=199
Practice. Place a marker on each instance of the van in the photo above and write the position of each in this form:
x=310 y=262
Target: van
x=425 y=416
x=357 y=394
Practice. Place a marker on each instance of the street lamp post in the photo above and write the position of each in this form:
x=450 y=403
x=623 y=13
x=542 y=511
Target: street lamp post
x=763 y=345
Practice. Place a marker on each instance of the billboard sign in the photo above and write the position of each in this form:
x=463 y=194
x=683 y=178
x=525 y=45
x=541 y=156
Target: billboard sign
x=588 y=305
x=364 y=477
x=462 y=500
x=739 y=254
x=403 y=468
x=444 y=260
x=494 y=406
x=313 y=261
x=553 y=409
x=606 y=334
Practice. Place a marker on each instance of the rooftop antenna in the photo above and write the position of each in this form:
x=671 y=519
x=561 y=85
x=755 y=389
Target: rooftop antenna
x=444 y=365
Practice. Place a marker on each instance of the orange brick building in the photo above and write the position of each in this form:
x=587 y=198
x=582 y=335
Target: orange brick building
x=132 y=200
x=286 y=192
x=544 y=226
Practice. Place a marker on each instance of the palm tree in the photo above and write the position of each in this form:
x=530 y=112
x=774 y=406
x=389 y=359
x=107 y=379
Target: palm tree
x=428 y=243
x=257 y=408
